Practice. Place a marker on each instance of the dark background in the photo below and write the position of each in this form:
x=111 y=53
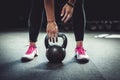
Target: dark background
x=14 y=13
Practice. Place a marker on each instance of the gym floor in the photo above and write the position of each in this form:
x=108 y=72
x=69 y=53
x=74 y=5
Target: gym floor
x=104 y=56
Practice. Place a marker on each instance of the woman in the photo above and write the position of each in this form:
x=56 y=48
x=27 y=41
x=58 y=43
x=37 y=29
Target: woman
x=72 y=7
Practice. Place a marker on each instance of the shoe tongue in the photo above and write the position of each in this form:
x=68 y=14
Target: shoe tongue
x=79 y=47
x=81 y=50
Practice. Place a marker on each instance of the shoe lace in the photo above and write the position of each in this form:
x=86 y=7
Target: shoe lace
x=80 y=50
x=30 y=49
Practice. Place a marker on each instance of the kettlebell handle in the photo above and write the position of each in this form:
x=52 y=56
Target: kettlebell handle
x=63 y=36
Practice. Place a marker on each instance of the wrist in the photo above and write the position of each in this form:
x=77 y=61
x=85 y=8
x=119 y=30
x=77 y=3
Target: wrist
x=70 y=4
x=72 y=1
x=50 y=21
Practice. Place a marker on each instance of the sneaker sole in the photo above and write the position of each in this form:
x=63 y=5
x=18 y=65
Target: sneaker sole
x=25 y=59
x=83 y=60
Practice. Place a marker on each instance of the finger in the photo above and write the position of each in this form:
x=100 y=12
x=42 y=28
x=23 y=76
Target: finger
x=47 y=32
x=56 y=37
x=64 y=17
x=67 y=18
x=63 y=11
x=52 y=37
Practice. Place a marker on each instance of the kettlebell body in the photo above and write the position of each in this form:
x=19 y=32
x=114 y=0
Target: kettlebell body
x=56 y=53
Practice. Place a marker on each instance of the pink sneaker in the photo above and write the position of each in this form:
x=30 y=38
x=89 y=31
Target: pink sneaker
x=30 y=54
x=80 y=54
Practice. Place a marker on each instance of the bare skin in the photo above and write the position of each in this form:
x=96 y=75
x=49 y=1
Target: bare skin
x=52 y=28
x=67 y=11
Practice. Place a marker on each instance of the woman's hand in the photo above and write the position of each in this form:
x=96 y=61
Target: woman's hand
x=66 y=12
x=52 y=31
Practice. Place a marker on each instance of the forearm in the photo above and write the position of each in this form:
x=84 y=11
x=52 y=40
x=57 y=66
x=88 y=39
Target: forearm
x=49 y=8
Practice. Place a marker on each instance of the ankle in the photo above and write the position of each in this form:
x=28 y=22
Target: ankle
x=79 y=44
x=33 y=44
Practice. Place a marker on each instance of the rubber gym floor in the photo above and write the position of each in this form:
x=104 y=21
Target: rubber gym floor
x=104 y=56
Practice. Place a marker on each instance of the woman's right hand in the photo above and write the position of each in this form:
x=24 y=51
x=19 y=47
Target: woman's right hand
x=52 y=31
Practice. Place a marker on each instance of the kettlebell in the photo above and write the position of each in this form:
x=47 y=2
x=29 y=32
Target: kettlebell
x=56 y=53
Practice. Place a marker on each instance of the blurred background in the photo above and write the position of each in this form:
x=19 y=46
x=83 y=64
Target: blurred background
x=102 y=15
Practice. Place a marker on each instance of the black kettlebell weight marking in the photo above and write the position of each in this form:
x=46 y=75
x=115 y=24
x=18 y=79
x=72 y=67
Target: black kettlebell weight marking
x=56 y=53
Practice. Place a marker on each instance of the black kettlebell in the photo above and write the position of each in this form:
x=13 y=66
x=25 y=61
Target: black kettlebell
x=56 y=53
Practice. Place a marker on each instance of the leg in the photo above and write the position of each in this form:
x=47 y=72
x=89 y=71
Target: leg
x=34 y=23
x=79 y=23
x=35 y=18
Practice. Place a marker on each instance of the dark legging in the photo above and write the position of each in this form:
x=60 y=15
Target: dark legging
x=35 y=19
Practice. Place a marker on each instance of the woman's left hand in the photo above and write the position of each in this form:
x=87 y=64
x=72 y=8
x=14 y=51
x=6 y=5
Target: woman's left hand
x=66 y=13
